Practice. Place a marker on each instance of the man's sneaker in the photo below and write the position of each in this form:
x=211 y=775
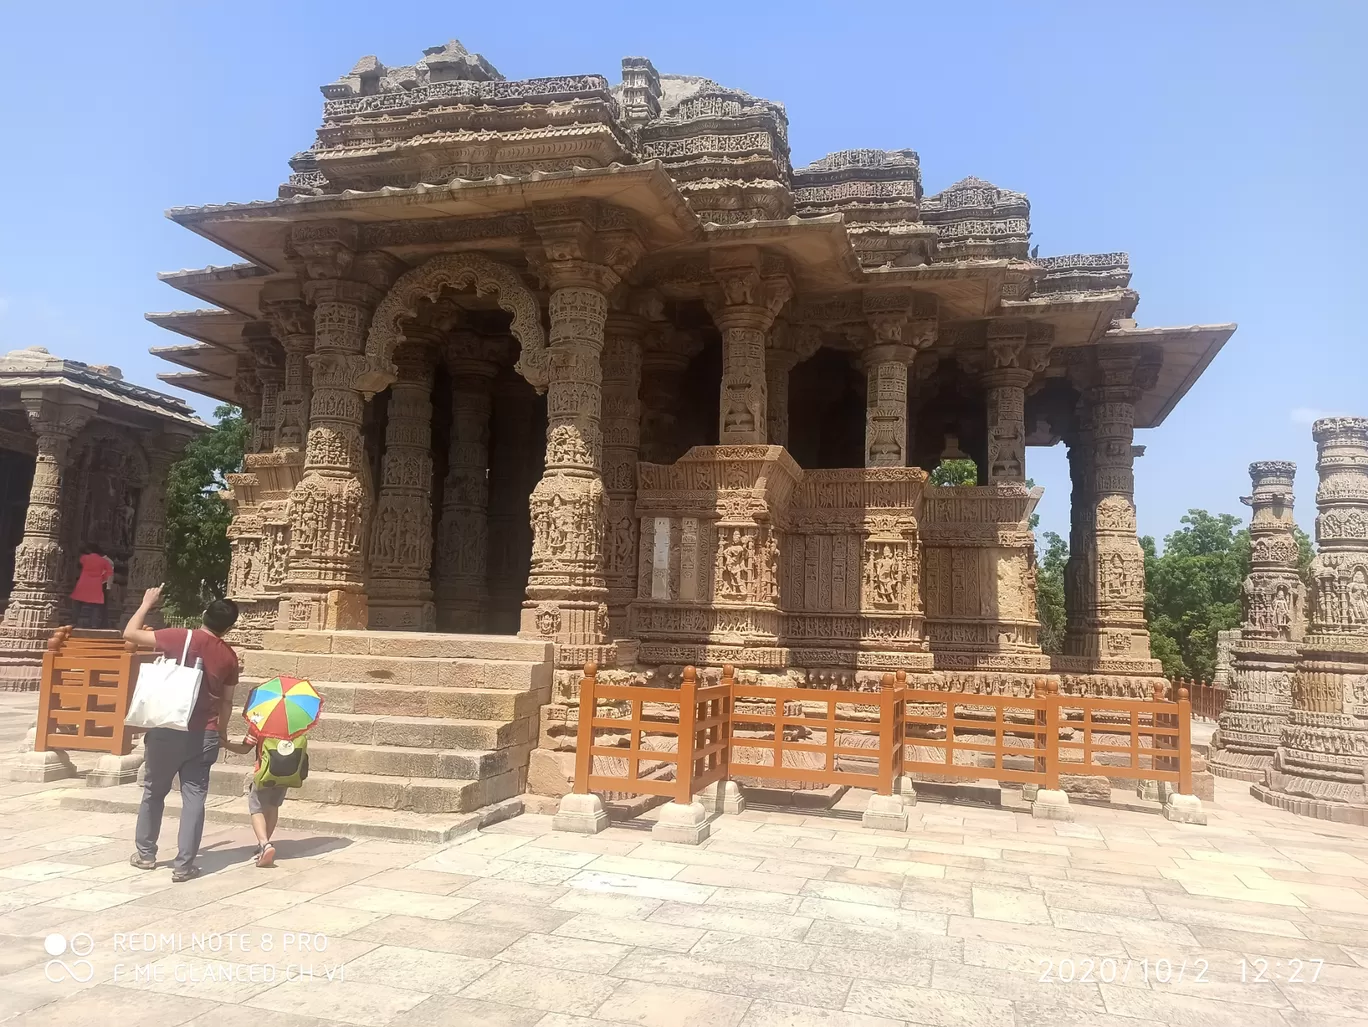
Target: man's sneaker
x=266 y=856
x=142 y=864
x=188 y=874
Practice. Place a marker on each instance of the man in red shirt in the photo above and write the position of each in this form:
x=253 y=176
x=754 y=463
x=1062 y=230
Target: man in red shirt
x=191 y=753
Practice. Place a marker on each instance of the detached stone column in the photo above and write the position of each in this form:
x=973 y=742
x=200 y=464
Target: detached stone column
x=744 y=307
x=1107 y=622
x=621 y=445
x=1264 y=653
x=401 y=538
x=330 y=508
x=463 y=533
x=36 y=600
x=1320 y=768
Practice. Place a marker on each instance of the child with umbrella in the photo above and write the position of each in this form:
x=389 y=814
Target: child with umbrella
x=279 y=713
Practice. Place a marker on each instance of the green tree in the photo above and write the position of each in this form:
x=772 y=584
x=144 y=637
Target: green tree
x=1192 y=590
x=197 y=550
x=1050 y=592
x=955 y=472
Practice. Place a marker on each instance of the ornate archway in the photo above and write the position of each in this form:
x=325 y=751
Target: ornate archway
x=455 y=271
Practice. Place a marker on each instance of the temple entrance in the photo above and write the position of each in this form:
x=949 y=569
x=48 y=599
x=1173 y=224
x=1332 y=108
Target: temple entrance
x=16 y=477
x=827 y=412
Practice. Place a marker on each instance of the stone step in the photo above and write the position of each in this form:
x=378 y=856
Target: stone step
x=329 y=820
x=419 y=701
x=412 y=644
x=413 y=761
x=422 y=732
x=443 y=672
x=418 y=794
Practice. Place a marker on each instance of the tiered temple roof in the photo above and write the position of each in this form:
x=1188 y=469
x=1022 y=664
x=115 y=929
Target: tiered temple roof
x=446 y=154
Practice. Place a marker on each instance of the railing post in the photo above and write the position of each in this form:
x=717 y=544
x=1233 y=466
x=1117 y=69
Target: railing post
x=46 y=684
x=724 y=796
x=886 y=811
x=688 y=717
x=581 y=811
x=1052 y=802
x=1182 y=806
x=584 y=732
x=901 y=782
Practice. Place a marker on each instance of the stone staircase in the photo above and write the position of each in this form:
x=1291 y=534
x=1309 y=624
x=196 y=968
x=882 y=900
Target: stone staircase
x=425 y=723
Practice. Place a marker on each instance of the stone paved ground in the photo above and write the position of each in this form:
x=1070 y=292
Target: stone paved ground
x=779 y=920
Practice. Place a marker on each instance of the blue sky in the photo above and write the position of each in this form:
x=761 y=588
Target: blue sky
x=1221 y=144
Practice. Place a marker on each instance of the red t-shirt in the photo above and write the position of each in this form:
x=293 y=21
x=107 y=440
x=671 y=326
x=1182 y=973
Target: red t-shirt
x=95 y=571
x=220 y=671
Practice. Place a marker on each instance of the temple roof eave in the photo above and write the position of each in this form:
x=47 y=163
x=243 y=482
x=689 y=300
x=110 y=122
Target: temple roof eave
x=116 y=403
x=1187 y=350
x=257 y=230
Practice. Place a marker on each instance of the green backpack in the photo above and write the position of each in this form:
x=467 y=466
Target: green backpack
x=282 y=764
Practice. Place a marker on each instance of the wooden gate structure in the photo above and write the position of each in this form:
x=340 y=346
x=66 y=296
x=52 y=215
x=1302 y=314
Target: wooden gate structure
x=86 y=685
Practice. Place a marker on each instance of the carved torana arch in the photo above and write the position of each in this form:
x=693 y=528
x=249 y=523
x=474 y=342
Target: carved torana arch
x=455 y=271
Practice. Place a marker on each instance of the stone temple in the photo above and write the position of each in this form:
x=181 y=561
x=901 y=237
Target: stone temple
x=594 y=365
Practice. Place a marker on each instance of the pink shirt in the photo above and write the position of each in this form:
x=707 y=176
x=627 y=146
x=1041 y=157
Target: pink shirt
x=95 y=571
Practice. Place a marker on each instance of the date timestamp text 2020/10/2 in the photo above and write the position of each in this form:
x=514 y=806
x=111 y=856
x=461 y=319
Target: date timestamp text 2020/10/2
x=1110 y=970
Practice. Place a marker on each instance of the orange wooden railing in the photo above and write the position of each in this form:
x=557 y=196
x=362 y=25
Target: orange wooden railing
x=1165 y=725
x=837 y=721
x=86 y=685
x=983 y=725
x=1027 y=740
x=1208 y=701
x=700 y=726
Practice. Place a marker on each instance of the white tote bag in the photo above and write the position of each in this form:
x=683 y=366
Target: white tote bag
x=166 y=692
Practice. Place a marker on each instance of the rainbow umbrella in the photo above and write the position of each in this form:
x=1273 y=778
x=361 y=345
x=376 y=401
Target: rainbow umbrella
x=282 y=708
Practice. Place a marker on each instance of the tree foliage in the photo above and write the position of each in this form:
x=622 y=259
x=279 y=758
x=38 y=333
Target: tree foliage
x=197 y=550
x=1050 y=592
x=955 y=472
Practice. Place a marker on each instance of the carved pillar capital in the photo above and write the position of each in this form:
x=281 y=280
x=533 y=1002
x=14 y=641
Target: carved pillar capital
x=585 y=244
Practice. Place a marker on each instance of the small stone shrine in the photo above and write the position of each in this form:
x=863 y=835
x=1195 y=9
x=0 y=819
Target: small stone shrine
x=1264 y=655
x=1320 y=767
x=83 y=458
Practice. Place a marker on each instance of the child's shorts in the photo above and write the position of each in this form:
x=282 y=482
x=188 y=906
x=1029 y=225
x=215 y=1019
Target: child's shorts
x=260 y=799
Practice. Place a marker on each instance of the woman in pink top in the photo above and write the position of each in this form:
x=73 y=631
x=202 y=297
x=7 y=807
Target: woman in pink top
x=88 y=597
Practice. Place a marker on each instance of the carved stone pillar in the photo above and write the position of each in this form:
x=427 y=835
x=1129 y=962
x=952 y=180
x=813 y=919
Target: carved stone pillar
x=463 y=532
x=39 y=589
x=1010 y=367
x=1320 y=767
x=1264 y=654
x=621 y=442
x=586 y=249
x=148 y=565
x=885 y=366
x=567 y=589
x=1107 y=619
x=744 y=307
x=292 y=323
x=330 y=508
x=401 y=536
x=268 y=357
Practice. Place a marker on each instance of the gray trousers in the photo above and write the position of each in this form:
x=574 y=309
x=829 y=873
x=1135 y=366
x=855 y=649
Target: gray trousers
x=188 y=754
